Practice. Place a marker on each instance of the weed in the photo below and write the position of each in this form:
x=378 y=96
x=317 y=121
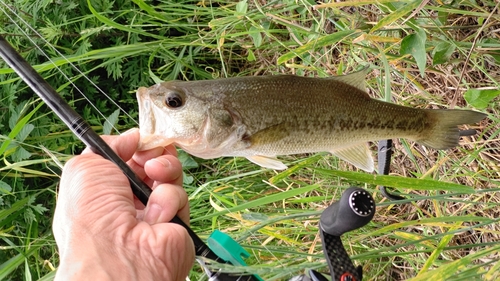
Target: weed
x=425 y=54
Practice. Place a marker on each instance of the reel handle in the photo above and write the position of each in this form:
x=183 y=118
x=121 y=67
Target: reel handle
x=355 y=209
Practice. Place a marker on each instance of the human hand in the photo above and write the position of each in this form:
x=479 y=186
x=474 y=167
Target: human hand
x=104 y=233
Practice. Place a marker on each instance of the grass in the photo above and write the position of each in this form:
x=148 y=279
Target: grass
x=425 y=54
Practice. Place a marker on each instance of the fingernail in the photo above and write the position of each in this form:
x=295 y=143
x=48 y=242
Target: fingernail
x=153 y=213
x=129 y=131
x=164 y=162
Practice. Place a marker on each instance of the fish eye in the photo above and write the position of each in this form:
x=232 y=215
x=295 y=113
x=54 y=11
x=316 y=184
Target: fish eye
x=174 y=100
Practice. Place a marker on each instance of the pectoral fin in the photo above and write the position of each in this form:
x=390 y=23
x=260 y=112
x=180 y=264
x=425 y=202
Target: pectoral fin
x=357 y=154
x=270 y=134
x=267 y=162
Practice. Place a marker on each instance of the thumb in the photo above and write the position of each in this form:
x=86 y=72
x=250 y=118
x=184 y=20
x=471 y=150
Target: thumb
x=86 y=187
x=125 y=145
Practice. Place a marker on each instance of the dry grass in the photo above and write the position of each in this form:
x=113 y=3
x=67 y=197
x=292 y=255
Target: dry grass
x=404 y=240
x=475 y=163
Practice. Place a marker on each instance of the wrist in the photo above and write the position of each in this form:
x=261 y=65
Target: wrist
x=88 y=263
x=82 y=270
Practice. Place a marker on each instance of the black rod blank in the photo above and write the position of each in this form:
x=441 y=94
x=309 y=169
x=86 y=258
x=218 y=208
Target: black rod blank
x=85 y=133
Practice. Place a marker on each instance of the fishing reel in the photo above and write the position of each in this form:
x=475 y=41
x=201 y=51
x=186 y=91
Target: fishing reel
x=355 y=209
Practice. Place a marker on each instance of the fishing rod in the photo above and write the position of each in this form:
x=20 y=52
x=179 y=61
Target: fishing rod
x=355 y=208
x=84 y=132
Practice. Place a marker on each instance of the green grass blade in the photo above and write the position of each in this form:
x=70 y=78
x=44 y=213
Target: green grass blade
x=150 y=10
x=396 y=15
x=113 y=24
x=259 y=202
x=322 y=41
x=400 y=182
x=447 y=271
x=10 y=265
x=18 y=128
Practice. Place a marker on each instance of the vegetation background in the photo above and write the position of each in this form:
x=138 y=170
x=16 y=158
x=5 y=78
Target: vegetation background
x=425 y=54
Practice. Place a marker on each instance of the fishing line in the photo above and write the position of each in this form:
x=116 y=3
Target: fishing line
x=252 y=235
x=65 y=59
x=84 y=132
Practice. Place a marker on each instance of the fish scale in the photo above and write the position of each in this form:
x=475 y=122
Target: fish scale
x=262 y=117
x=315 y=123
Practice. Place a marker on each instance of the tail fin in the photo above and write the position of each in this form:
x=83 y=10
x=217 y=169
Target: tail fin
x=444 y=134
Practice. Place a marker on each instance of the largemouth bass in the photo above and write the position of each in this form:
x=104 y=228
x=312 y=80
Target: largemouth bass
x=262 y=117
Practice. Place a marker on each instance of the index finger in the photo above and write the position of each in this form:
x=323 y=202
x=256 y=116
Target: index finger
x=141 y=157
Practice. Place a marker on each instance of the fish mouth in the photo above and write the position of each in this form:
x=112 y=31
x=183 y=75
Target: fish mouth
x=146 y=116
x=149 y=137
x=147 y=122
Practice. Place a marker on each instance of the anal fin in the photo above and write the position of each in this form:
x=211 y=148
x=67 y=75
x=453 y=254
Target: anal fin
x=267 y=162
x=357 y=154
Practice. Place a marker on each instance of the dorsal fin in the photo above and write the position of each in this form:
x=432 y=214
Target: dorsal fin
x=355 y=79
